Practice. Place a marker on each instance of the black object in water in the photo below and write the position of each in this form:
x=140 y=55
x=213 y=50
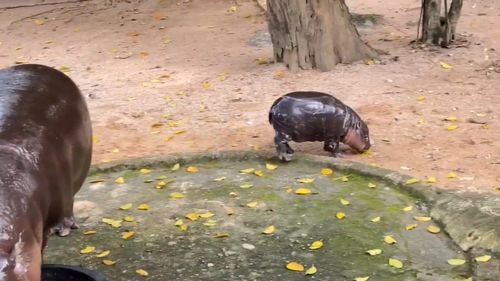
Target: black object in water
x=58 y=272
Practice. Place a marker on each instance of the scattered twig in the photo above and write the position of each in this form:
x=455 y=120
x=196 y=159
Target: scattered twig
x=35 y=15
x=43 y=4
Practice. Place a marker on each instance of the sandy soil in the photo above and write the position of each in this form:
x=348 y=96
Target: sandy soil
x=180 y=76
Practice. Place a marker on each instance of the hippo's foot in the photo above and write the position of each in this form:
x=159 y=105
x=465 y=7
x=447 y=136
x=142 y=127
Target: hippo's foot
x=333 y=146
x=285 y=152
x=64 y=228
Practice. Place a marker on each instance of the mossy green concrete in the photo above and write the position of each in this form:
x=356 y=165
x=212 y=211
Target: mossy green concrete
x=167 y=253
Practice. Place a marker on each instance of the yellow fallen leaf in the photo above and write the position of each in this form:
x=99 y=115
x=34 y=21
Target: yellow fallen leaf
x=252 y=205
x=221 y=235
x=305 y=180
x=206 y=85
x=312 y=270
x=421 y=98
x=371 y=185
x=452 y=127
x=120 y=180
x=179 y=132
x=261 y=61
x=408 y=208
x=374 y=252
x=295 y=266
x=128 y=219
x=411 y=226
x=193 y=216
x=167 y=41
x=376 y=219
x=484 y=258
x=269 y=230
x=142 y=272
x=433 y=229
x=302 y=191
x=176 y=195
x=207 y=215
x=452 y=175
x=279 y=73
x=210 y=223
x=145 y=171
x=364 y=278
x=340 y=215
x=258 y=173
x=456 y=261
x=103 y=254
x=412 y=181
x=220 y=179
x=451 y=118
x=271 y=167
x=431 y=180
x=422 y=219
x=389 y=240
x=232 y=9
x=421 y=121
x=445 y=65
x=247 y=171
x=87 y=250
x=344 y=179
x=246 y=185
x=395 y=263
x=192 y=169
x=179 y=222
x=143 y=207
x=316 y=245
x=126 y=206
x=326 y=171
x=127 y=235
x=184 y=227
x=344 y=202
x=175 y=167
x=90 y=232
x=108 y=262
x=112 y=222
x=223 y=76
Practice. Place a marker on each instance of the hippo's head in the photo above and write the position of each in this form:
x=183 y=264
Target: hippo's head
x=358 y=136
x=20 y=259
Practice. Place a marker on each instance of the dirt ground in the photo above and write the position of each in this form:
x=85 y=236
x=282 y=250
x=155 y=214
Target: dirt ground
x=182 y=76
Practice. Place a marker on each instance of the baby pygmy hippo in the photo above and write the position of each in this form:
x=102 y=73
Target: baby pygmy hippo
x=315 y=116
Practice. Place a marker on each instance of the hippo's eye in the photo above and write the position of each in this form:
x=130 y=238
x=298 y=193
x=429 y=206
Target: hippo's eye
x=357 y=125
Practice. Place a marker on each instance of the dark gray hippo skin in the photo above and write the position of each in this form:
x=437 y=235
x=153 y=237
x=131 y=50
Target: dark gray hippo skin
x=315 y=116
x=45 y=153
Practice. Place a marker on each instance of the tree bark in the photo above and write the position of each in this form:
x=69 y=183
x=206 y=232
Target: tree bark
x=440 y=29
x=318 y=34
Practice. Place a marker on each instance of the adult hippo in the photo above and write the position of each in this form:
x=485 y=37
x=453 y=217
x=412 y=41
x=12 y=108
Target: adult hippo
x=45 y=153
x=315 y=116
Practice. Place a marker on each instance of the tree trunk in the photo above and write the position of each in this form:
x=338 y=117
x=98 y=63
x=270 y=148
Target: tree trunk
x=438 y=29
x=310 y=34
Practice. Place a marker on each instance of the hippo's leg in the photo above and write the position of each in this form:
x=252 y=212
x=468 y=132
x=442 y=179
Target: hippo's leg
x=65 y=226
x=282 y=147
x=333 y=146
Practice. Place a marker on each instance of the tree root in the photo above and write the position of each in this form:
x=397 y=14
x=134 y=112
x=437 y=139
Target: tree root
x=43 y=4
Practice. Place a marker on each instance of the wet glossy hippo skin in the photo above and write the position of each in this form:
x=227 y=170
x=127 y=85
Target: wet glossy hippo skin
x=45 y=153
x=315 y=116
